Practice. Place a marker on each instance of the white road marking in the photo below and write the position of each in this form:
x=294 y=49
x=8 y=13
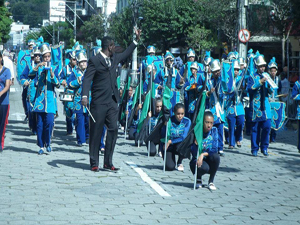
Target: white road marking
x=19 y=116
x=148 y=180
x=12 y=89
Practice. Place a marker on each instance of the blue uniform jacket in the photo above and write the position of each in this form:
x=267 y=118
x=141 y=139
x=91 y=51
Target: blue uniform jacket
x=75 y=84
x=45 y=97
x=232 y=107
x=209 y=143
x=179 y=130
x=259 y=110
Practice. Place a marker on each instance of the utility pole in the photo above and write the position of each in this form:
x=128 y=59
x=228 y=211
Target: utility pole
x=242 y=7
x=134 y=54
x=75 y=17
x=53 y=35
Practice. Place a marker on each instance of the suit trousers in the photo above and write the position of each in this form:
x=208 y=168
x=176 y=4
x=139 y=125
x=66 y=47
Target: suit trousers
x=4 y=111
x=104 y=114
x=260 y=135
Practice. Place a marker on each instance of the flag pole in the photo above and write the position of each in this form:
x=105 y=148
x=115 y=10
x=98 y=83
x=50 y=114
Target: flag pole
x=125 y=128
x=149 y=122
x=166 y=141
x=196 y=170
x=140 y=94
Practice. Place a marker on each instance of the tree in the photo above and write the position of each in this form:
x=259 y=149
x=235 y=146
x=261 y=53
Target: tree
x=92 y=29
x=281 y=16
x=31 y=12
x=5 y=23
x=200 y=38
x=121 y=27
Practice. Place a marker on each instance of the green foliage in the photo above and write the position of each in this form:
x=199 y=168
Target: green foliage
x=31 y=12
x=5 y=23
x=121 y=27
x=200 y=38
x=92 y=29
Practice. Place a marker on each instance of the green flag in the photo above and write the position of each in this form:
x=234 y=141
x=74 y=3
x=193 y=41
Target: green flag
x=198 y=130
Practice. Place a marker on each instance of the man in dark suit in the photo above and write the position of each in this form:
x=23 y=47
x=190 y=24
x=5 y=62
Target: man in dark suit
x=101 y=71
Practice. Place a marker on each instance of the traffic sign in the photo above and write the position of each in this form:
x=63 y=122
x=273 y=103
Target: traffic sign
x=244 y=35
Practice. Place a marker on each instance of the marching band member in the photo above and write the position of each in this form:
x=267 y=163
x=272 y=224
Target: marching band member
x=272 y=69
x=296 y=98
x=75 y=83
x=215 y=102
x=260 y=108
x=153 y=121
x=44 y=104
x=177 y=80
x=180 y=126
x=209 y=160
x=235 y=113
x=64 y=76
x=191 y=90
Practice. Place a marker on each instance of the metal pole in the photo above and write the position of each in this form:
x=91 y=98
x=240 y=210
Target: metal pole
x=75 y=17
x=53 y=35
x=166 y=141
x=242 y=25
x=196 y=169
x=150 y=109
x=125 y=128
x=140 y=96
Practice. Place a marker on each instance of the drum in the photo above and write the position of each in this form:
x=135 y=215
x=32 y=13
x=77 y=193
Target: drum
x=66 y=97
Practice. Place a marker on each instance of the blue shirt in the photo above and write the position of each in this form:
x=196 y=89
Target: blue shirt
x=4 y=99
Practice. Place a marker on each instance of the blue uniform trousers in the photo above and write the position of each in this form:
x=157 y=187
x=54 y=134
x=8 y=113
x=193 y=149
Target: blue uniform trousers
x=248 y=120
x=45 y=123
x=260 y=135
x=226 y=134
x=273 y=134
x=220 y=127
x=235 y=125
x=82 y=127
x=102 y=145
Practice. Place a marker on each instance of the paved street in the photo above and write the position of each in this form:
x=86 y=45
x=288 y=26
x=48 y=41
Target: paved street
x=59 y=188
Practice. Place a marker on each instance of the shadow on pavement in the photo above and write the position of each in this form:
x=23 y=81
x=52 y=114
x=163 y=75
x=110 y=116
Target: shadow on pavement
x=229 y=169
x=69 y=163
x=189 y=185
x=16 y=149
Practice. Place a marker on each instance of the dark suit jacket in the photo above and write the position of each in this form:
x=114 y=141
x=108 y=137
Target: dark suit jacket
x=104 y=78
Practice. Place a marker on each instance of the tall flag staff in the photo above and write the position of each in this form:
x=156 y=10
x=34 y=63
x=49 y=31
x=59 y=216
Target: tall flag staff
x=150 y=108
x=167 y=110
x=140 y=94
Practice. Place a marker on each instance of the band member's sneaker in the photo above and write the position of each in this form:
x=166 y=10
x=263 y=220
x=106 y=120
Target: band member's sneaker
x=48 y=149
x=265 y=152
x=221 y=153
x=180 y=167
x=41 y=151
x=254 y=153
x=212 y=187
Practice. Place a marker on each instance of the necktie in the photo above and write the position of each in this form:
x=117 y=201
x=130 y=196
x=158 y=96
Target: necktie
x=108 y=61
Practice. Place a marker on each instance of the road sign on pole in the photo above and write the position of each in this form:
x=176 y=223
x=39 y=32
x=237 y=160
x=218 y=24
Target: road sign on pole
x=244 y=35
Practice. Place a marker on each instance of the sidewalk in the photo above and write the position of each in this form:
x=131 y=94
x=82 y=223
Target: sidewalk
x=59 y=188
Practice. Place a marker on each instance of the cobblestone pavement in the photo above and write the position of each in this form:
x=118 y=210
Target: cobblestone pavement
x=59 y=188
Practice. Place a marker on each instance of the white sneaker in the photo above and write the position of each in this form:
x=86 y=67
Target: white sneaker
x=212 y=187
x=180 y=167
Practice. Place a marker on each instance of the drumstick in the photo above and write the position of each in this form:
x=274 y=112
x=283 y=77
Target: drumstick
x=90 y=114
x=281 y=95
